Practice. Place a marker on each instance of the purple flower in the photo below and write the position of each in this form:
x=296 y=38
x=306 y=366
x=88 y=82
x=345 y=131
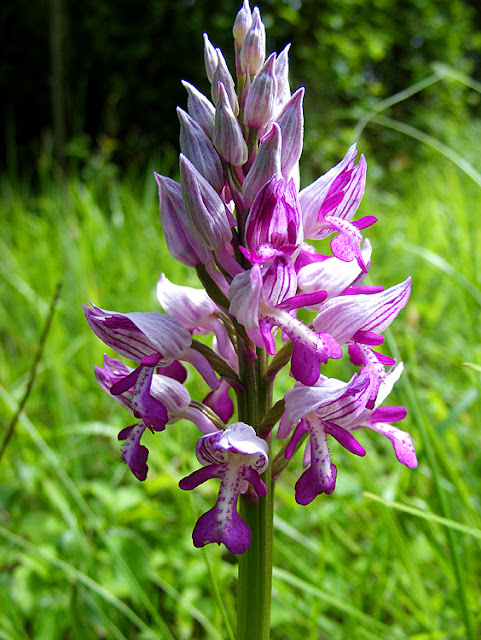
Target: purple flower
x=273 y=226
x=157 y=401
x=262 y=301
x=329 y=204
x=236 y=456
x=335 y=408
x=238 y=218
x=151 y=339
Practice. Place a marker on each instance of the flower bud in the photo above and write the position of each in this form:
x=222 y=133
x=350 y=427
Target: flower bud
x=196 y=145
x=291 y=122
x=267 y=163
x=228 y=138
x=253 y=51
x=181 y=243
x=200 y=108
x=205 y=211
x=242 y=24
x=261 y=99
x=210 y=57
x=222 y=74
x=281 y=71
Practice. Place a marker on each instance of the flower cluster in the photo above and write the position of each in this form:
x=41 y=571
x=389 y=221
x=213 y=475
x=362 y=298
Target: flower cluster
x=238 y=217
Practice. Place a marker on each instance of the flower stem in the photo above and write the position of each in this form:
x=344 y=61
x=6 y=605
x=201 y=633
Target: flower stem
x=255 y=565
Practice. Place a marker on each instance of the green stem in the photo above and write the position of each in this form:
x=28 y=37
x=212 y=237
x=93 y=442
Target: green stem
x=255 y=565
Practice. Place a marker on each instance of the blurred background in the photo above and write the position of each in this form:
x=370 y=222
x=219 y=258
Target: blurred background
x=89 y=91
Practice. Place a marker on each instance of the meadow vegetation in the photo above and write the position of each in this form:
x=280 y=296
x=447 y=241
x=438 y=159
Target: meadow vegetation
x=88 y=552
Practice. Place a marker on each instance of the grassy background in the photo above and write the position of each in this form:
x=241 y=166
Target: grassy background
x=89 y=552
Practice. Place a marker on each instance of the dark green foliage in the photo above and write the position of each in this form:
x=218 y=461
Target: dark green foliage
x=123 y=62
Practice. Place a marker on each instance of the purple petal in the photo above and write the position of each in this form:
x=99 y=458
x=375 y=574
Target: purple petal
x=320 y=477
x=368 y=337
x=291 y=122
x=201 y=475
x=229 y=529
x=125 y=383
x=152 y=411
x=267 y=337
x=343 y=316
x=196 y=145
x=305 y=364
x=303 y=300
x=401 y=441
x=299 y=431
x=347 y=245
x=176 y=371
x=345 y=439
x=220 y=402
x=133 y=453
x=388 y=414
x=311 y=484
x=228 y=138
x=204 y=208
x=285 y=426
x=252 y=476
x=244 y=296
x=181 y=242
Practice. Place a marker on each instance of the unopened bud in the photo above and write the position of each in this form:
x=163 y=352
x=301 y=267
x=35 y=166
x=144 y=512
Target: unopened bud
x=205 y=211
x=291 y=122
x=281 y=71
x=253 y=51
x=228 y=138
x=242 y=24
x=266 y=164
x=222 y=74
x=210 y=57
x=196 y=145
x=181 y=243
x=200 y=108
x=261 y=99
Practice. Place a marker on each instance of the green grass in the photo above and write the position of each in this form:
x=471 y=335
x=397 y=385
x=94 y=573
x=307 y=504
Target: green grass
x=88 y=552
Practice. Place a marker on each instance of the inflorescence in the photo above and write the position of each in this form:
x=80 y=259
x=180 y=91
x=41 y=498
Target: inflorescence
x=238 y=217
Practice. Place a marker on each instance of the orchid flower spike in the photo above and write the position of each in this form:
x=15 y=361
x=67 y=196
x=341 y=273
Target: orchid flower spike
x=269 y=298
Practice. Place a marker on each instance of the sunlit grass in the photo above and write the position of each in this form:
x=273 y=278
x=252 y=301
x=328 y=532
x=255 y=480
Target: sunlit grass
x=89 y=552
